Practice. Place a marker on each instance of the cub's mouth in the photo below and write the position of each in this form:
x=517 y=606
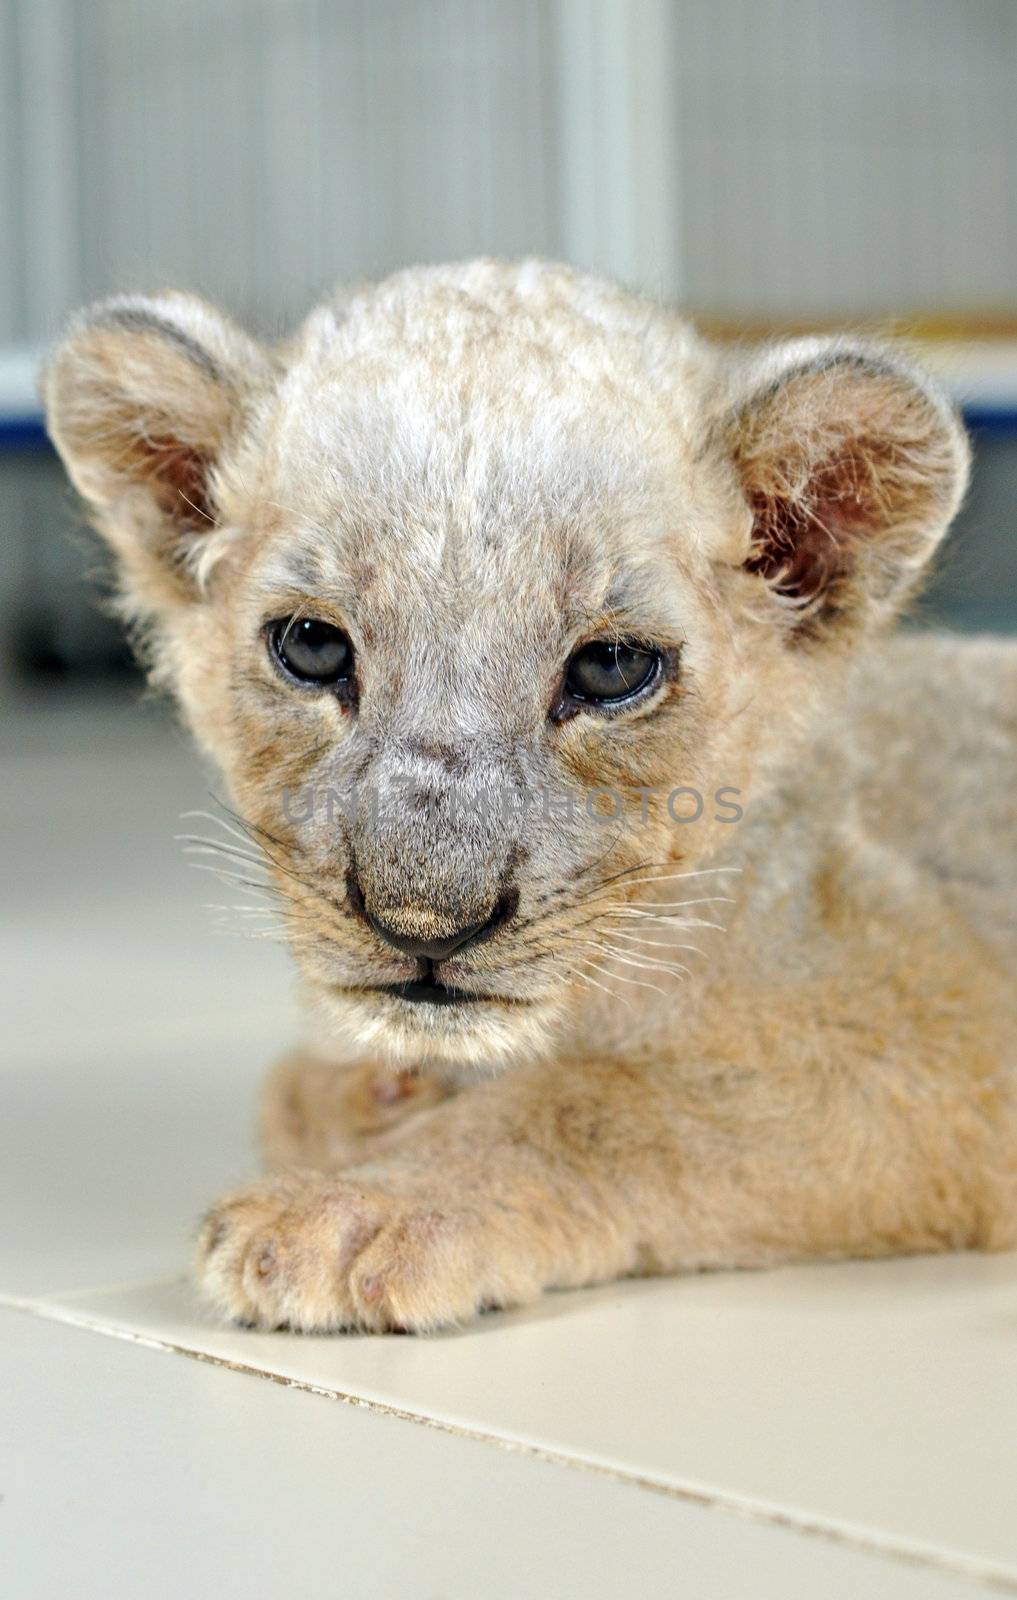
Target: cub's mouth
x=430 y=991
x=430 y=1015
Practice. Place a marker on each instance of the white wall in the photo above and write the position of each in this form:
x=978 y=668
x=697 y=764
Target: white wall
x=262 y=149
x=754 y=157
x=848 y=156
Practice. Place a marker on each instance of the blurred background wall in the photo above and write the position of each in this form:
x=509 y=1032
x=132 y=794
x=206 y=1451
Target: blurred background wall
x=765 y=163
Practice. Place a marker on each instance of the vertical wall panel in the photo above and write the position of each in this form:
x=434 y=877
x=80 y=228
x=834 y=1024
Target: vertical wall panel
x=618 y=154
x=12 y=253
x=847 y=158
x=48 y=99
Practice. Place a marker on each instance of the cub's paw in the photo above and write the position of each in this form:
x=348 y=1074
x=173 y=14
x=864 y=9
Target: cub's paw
x=318 y=1254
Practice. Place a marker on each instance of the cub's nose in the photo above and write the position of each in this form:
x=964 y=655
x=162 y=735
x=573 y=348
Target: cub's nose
x=428 y=949
x=434 y=949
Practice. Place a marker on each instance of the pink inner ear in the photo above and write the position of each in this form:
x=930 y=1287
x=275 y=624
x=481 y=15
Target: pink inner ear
x=805 y=544
x=178 y=477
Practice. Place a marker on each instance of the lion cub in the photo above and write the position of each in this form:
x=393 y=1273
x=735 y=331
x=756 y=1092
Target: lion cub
x=655 y=909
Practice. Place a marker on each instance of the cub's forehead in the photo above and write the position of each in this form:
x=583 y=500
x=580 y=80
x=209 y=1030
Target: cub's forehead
x=482 y=463
x=495 y=394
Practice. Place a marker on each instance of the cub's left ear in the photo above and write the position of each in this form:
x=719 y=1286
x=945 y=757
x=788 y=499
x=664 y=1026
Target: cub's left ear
x=852 y=465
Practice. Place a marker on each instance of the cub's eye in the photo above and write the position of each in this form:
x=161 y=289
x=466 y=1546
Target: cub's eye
x=606 y=671
x=311 y=650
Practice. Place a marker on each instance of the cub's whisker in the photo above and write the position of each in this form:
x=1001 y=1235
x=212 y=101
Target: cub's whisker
x=203 y=847
x=585 y=978
x=644 y=963
x=235 y=880
x=638 y=982
x=669 y=920
x=660 y=944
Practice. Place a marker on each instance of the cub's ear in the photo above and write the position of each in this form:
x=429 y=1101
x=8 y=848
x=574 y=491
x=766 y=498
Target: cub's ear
x=142 y=397
x=852 y=466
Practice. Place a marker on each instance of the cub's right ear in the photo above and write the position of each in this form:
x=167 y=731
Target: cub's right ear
x=142 y=398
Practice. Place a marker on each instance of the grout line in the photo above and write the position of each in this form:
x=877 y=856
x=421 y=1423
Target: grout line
x=993 y=1578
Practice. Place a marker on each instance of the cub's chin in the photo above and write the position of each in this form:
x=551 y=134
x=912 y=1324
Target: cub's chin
x=405 y=1024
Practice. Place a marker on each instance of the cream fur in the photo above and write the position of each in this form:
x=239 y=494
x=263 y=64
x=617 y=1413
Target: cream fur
x=716 y=1043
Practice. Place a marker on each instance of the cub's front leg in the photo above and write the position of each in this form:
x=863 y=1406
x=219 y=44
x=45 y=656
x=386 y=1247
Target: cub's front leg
x=548 y=1177
x=575 y=1173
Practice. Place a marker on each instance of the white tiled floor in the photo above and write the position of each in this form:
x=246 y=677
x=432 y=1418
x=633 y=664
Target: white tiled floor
x=825 y=1431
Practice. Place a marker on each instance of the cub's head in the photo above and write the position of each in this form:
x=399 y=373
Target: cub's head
x=484 y=593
